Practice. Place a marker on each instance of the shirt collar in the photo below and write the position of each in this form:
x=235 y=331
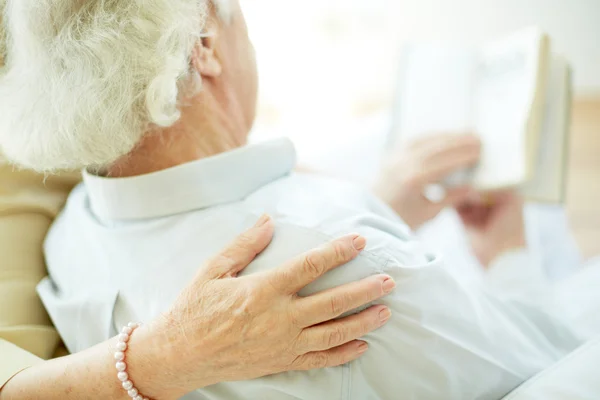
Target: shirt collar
x=224 y=178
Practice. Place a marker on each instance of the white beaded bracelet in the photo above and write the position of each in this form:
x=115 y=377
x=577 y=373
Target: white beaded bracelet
x=121 y=365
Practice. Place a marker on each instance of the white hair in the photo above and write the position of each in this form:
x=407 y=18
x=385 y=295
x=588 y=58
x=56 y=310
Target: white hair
x=81 y=81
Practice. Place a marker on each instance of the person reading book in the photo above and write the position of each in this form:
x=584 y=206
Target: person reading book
x=514 y=92
x=173 y=169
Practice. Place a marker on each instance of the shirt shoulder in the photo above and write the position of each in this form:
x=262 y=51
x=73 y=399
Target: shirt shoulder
x=317 y=197
x=305 y=220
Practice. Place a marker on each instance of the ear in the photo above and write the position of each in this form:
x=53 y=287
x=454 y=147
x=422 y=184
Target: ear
x=204 y=58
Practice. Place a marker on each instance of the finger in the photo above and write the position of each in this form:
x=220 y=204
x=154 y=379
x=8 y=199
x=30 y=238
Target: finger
x=331 y=358
x=332 y=303
x=457 y=196
x=473 y=216
x=306 y=268
x=467 y=213
x=442 y=140
x=501 y=196
x=335 y=333
x=437 y=169
x=441 y=143
x=242 y=250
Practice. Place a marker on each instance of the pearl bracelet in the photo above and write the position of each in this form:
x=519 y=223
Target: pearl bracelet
x=122 y=375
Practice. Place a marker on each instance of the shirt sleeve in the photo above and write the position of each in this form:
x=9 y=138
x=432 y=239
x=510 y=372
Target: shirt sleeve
x=517 y=272
x=446 y=338
x=28 y=204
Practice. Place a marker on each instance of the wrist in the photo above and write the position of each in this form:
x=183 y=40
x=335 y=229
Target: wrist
x=151 y=366
x=165 y=359
x=398 y=205
x=513 y=244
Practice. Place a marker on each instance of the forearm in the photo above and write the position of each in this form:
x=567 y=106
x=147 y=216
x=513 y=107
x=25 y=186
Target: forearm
x=154 y=364
x=88 y=374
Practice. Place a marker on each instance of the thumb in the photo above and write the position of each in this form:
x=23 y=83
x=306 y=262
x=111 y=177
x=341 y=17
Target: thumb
x=235 y=257
x=458 y=196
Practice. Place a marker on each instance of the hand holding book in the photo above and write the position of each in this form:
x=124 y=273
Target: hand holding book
x=513 y=93
x=494 y=223
x=412 y=168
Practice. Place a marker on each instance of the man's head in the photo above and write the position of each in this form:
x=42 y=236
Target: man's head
x=84 y=81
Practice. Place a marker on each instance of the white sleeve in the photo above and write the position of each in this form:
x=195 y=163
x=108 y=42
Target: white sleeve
x=446 y=339
x=517 y=272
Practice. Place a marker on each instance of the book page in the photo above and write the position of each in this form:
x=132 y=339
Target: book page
x=436 y=84
x=435 y=96
x=548 y=184
x=504 y=97
x=496 y=91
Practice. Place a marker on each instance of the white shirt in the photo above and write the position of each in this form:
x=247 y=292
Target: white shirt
x=367 y=142
x=124 y=248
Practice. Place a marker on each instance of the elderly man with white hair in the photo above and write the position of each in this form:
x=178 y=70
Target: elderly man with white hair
x=155 y=100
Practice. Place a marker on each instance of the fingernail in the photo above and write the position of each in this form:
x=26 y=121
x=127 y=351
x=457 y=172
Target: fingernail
x=362 y=347
x=384 y=315
x=262 y=221
x=359 y=243
x=388 y=285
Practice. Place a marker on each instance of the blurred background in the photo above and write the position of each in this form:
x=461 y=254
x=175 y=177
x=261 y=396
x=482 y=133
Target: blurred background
x=328 y=72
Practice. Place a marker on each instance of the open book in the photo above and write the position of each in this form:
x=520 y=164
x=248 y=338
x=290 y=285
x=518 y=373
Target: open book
x=513 y=92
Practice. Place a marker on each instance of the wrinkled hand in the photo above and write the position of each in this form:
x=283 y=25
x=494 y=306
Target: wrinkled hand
x=225 y=328
x=408 y=171
x=495 y=224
